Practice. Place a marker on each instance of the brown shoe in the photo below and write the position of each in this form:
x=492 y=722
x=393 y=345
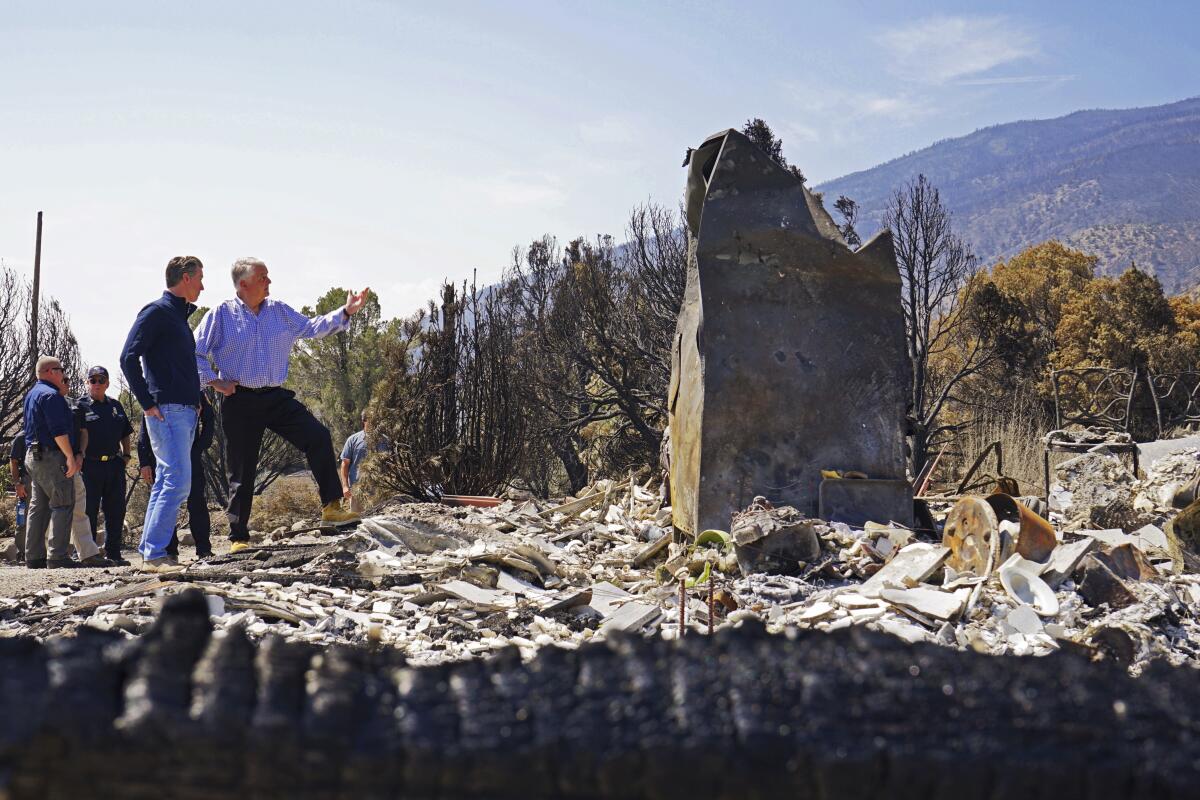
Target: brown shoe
x=96 y=561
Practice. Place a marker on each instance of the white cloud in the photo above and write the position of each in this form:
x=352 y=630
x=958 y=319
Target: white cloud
x=797 y=133
x=832 y=109
x=516 y=190
x=941 y=49
x=1015 y=79
x=608 y=130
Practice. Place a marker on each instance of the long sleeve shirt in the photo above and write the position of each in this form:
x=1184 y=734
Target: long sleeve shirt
x=158 y=358
x=48 y=416
x=235 y=344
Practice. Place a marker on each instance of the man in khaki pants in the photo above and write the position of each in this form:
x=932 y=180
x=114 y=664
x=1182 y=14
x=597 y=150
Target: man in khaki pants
x=52 y=465
x=82 y=537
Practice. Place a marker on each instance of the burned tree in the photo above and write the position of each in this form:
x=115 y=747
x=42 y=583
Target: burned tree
x=935 y=270
x=596 y=324
x=453 y=418
x=54 y=338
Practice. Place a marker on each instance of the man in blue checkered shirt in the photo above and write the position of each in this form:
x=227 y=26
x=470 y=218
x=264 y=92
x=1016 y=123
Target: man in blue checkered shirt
x=242 y=350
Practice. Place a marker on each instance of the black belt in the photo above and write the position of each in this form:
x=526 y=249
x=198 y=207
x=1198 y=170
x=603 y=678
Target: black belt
x=258 y=390
x=112 y=457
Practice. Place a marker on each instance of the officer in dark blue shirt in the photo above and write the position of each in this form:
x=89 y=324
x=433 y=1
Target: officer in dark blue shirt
x=51 y=441
x=104 y=460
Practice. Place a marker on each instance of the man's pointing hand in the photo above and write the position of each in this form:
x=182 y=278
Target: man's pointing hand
x=355 y=302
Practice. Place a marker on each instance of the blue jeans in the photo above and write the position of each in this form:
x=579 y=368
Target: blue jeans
x=171 y=440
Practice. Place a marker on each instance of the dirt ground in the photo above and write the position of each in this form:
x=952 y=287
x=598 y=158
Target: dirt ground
x=16 y=581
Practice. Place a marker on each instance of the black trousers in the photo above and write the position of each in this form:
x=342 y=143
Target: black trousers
x=105 y=484
x=245 y=417
x=197 y=507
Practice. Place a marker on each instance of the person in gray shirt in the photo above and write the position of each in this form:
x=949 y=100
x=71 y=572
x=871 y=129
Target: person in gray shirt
x=354 y=452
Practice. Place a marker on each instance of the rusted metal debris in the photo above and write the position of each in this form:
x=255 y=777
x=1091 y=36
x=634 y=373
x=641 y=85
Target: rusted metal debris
x=789 y=353
x=980 y=541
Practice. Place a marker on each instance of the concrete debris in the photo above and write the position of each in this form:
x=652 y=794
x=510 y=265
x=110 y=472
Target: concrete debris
x=1101 y=490
x=1064 y=560
x=443 y=583
x=1166 y=479
x=777 y=540
x=1101 y=586
x=1091 y=435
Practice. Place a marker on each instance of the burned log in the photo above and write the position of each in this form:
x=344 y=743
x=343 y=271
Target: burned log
x=741 y=714
x=789 y=356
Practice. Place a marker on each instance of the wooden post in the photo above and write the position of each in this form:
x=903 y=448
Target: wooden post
x=37 y=288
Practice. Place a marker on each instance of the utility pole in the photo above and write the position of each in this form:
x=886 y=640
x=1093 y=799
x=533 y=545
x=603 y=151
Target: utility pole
x=37 y=290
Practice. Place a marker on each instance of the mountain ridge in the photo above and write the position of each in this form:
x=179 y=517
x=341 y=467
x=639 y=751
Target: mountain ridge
x=1122 y=184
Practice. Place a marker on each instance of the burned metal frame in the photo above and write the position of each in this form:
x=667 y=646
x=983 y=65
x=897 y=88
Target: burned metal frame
x=1107 y=394
x=1176 y=399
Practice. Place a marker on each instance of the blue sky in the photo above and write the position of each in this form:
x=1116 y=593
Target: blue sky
x=394 y=144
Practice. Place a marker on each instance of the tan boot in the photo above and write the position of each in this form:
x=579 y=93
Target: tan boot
x=334 y=514
x=160 y=565
x=237 y=547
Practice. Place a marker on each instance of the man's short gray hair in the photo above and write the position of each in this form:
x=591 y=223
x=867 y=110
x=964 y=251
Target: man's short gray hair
x=43 y=362
x=243 y=268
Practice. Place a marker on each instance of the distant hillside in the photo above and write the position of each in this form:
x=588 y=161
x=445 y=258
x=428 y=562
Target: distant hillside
x=1124 y=185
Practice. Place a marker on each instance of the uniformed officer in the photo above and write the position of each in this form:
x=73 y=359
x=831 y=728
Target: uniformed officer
x=108 y=451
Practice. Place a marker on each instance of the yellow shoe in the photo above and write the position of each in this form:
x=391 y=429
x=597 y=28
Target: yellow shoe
x=237 y=547
x=334 y=514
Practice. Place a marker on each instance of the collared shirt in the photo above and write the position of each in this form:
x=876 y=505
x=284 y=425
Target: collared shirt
x=354 y=451
x=162 y=341
x=17 y=452
x=47 y=416
x=235 y=344
x=106 y=424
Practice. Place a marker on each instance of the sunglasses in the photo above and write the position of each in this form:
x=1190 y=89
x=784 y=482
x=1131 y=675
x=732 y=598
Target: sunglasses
x=55 y=369
x=97 y=380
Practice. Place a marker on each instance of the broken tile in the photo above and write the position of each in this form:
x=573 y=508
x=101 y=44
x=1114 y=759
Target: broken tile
x=929 y=601
x=1065 y=558
x=911 y=566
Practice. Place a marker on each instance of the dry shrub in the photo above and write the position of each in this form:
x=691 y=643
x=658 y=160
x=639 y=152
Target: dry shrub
x=1019 y=430
x=287 y=501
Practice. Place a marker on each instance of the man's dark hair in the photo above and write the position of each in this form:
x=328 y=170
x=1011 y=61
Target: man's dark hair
x=179 y=266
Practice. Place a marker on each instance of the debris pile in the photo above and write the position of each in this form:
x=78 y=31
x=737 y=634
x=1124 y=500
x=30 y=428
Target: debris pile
x=446 y=583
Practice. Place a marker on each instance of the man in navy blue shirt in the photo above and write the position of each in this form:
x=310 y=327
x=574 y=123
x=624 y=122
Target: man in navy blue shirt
x=52 y=465
x=104 y=459
x=159 y=362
